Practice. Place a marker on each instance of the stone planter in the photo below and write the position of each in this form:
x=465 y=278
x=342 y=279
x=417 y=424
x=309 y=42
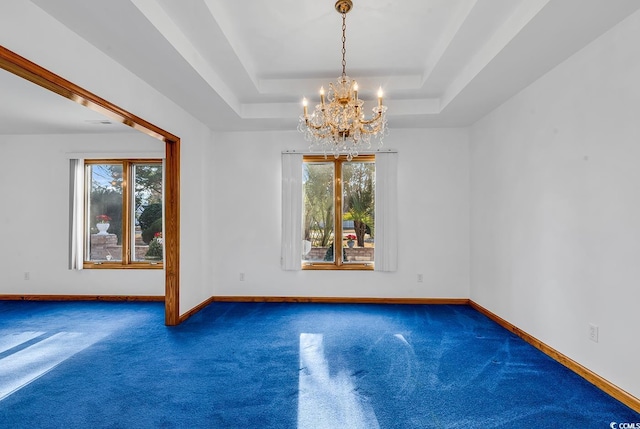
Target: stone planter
x=102 y=228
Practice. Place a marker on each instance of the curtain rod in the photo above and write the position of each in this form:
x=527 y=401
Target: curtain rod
x=369 y=152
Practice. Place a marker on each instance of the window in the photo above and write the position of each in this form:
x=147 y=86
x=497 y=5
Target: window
x=123 y=214
x=338 y=212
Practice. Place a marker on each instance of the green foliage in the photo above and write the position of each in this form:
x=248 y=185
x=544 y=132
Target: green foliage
x=318 y=204
x=149 y=215
x=149 y=180
x=149 y=233
x=148 y=186
x=358 y=182
x=359 y=188
x=155 y=249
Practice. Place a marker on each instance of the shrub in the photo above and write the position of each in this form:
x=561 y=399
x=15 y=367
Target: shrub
x=155 y=247
x=149 y=215
x=149 y=233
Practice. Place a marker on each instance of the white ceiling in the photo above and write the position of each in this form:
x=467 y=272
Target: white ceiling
x=245 y=65
x=29 y=109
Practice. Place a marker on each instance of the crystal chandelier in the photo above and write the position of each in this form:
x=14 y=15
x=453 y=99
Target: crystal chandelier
x=338 y=124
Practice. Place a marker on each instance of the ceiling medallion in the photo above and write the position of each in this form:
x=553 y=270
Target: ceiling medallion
x=338 y=125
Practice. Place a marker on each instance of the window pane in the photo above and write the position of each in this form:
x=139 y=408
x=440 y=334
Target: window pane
x=358 y=193
x=318 y=212
x=147 y=213
x=104 y=209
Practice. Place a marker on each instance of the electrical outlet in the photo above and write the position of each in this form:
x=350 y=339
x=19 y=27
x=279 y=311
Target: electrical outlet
x=241 y=277
x=420 y=278
x=26 y=275
x=593 y=332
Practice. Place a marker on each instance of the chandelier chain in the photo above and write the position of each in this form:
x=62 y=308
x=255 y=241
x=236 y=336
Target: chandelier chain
x=344 y=40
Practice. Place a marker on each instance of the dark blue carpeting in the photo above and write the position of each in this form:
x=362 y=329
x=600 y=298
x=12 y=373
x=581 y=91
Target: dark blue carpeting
x=115 y=365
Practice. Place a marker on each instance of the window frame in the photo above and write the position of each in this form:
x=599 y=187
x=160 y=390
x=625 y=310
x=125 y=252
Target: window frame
x=338 y=263
x=128 y=195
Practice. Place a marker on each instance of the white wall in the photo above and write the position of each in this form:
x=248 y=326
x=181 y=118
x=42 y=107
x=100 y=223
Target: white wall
x=28 y=31
x=433 y=239
x=34 y=220
x=556 y=207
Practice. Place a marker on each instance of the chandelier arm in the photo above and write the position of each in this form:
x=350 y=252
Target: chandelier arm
x=322 y=136
x=366 y=131
x=334 y=128
x=372 y=120
x=326 y=123
x=315 y=127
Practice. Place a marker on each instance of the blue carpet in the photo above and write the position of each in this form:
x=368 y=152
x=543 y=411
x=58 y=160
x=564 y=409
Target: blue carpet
x=268 y=365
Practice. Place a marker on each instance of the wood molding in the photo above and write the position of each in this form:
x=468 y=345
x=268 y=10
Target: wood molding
x=195 y=309
x=32 y=72
x=172 y=232
x=340 y=300
x=593 y=378
x=128 y=298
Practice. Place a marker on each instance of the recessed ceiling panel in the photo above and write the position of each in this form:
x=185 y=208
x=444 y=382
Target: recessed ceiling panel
x=245 y=65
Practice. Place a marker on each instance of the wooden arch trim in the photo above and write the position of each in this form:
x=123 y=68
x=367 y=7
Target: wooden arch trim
x=32 y=72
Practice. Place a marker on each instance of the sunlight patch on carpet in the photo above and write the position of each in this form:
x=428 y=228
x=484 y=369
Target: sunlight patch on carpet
x=26 y=365
x=12 y=340
x=327 y=401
